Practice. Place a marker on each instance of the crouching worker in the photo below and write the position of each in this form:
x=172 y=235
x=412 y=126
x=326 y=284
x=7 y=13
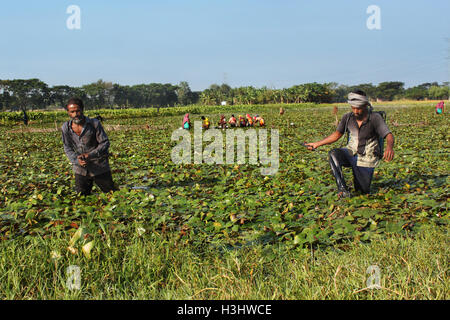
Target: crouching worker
x=232 y=121
x=186 y=122
x=205 y=123
x=242 y=121
x=362 y=152
x=262 y=123
x=86 y=145
x=249 y=120
x=440 y=108
x=259 y=120
x=222 y=124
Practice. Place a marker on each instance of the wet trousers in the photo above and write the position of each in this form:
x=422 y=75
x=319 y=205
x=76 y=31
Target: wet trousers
x=362 y=176
x=84 y=184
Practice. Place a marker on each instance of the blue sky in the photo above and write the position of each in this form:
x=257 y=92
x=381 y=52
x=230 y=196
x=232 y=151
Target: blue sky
x=274 y=43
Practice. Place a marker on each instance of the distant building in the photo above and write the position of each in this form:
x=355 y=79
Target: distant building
x=224 y=103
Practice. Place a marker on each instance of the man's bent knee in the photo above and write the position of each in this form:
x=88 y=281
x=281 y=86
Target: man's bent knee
x=333 y=155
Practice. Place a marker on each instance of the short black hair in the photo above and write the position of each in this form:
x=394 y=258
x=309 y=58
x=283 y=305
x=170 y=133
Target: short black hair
x=360 y=92
x=76 y=101
x=203 y=118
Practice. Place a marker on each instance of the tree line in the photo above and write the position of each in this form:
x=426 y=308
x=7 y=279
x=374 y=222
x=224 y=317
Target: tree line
x=21 y=94
x=321 y=93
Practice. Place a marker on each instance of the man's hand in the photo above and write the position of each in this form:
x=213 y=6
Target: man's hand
x=311 y=146
x=335 y=136
x=388 y=154
x=83 y=159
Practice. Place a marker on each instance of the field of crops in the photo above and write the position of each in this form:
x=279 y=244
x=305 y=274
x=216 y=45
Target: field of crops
x=217 y=209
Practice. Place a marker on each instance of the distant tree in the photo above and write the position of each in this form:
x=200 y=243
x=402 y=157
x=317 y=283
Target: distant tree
x=225 y=90
x=388 y=90
x=99 y=94
x=25 y=94
x=61 y=94
x=184 y=93
x=154 y=95
x=122 y=95
x=196 y=96
x=311 y=92
x=438 y=92
x=341 y=93
x=5 y=97
x=215 y=94
x=419 y=92
x=207 y=97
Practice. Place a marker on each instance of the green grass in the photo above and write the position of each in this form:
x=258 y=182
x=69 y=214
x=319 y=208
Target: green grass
x=155 y=267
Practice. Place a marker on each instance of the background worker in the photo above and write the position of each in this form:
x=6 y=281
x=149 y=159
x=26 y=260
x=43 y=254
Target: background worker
x=232 y=121
x=186 y=122
x=440 y=108
x=205 y=123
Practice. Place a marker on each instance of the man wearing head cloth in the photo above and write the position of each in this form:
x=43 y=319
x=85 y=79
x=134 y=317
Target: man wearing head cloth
x=362 y=152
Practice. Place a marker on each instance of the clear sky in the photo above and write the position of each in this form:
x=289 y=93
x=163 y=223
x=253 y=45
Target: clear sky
x=274 y=43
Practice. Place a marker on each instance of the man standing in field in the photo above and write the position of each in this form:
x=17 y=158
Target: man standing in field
x=362 y=152
x=86 y=145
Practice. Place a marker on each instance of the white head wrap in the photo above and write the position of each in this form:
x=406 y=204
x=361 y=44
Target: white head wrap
x=357 y=100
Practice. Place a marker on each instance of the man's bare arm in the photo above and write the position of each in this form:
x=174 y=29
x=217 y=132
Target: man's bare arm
x=335 y=136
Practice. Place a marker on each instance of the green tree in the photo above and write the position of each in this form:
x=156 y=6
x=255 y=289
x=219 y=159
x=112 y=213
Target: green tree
x=388 y=90
x=184 y=94
x=98 y=94
x=214 y=95
x=341 y=93
x=61 y=94
x=25 y=94
x=438 y=92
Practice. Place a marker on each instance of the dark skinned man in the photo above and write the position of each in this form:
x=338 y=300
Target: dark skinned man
x=362 y=152
x=86 y=145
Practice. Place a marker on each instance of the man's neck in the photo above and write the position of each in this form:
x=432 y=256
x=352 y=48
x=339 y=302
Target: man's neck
x=78 y=127
x=361 y=120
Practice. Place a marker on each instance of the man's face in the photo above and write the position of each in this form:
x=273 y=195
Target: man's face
x=75 y=113
x=359 y=112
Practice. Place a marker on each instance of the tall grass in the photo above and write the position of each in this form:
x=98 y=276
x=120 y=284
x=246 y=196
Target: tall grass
x=152 y=266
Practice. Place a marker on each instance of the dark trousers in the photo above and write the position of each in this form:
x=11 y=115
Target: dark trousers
x=362 y=176
x=83 y=184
